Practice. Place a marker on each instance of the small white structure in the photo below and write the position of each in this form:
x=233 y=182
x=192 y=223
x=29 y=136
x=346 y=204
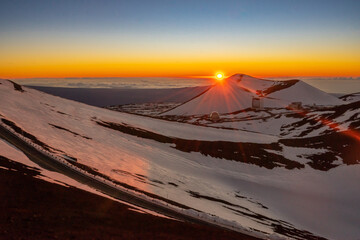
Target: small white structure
x=214 y=116
x=295 y=105
x=257 y=103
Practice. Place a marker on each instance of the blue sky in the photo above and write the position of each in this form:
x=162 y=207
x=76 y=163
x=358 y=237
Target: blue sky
x=178 y=15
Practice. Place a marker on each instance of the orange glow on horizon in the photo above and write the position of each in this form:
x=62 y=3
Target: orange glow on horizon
x=47 y=56
x=63 y=68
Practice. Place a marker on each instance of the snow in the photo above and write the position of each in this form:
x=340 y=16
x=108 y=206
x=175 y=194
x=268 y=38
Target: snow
x=299 y=153
x=308 y=95
x=9 y=151
x=324 y=203
x=282 y=122
x=236 y=93
x=351 y=97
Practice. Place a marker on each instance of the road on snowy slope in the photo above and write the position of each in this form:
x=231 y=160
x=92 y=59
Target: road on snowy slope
x=47 y=162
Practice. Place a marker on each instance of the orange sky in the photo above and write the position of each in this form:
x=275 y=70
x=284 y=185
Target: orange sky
x=175 y=69
x=54 y=58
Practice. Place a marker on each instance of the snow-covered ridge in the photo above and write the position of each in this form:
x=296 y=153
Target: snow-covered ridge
x=237 y=92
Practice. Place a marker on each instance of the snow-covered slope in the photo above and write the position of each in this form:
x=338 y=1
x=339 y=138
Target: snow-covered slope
x=299 y=188
x=236 y=93
x=13 y=154
x=284 y=122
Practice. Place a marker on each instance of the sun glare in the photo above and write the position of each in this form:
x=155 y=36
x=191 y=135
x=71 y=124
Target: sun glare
x=219 y=76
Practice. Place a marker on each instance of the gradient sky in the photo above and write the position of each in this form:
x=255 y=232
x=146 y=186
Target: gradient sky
x=179 y=38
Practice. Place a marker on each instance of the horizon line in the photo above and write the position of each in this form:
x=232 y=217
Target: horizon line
x=192 y=77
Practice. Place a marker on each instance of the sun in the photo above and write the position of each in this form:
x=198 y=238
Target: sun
x=219 y=76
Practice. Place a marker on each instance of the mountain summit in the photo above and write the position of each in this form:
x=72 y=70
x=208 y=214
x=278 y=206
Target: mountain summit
x=238 y=91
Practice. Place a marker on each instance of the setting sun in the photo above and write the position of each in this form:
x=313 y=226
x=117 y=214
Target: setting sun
x=219 y=76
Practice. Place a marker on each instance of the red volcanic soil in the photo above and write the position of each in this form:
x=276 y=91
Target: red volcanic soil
x=32 y=208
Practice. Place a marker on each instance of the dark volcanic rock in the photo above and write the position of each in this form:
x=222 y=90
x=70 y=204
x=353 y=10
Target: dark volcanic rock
x=17 y=87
